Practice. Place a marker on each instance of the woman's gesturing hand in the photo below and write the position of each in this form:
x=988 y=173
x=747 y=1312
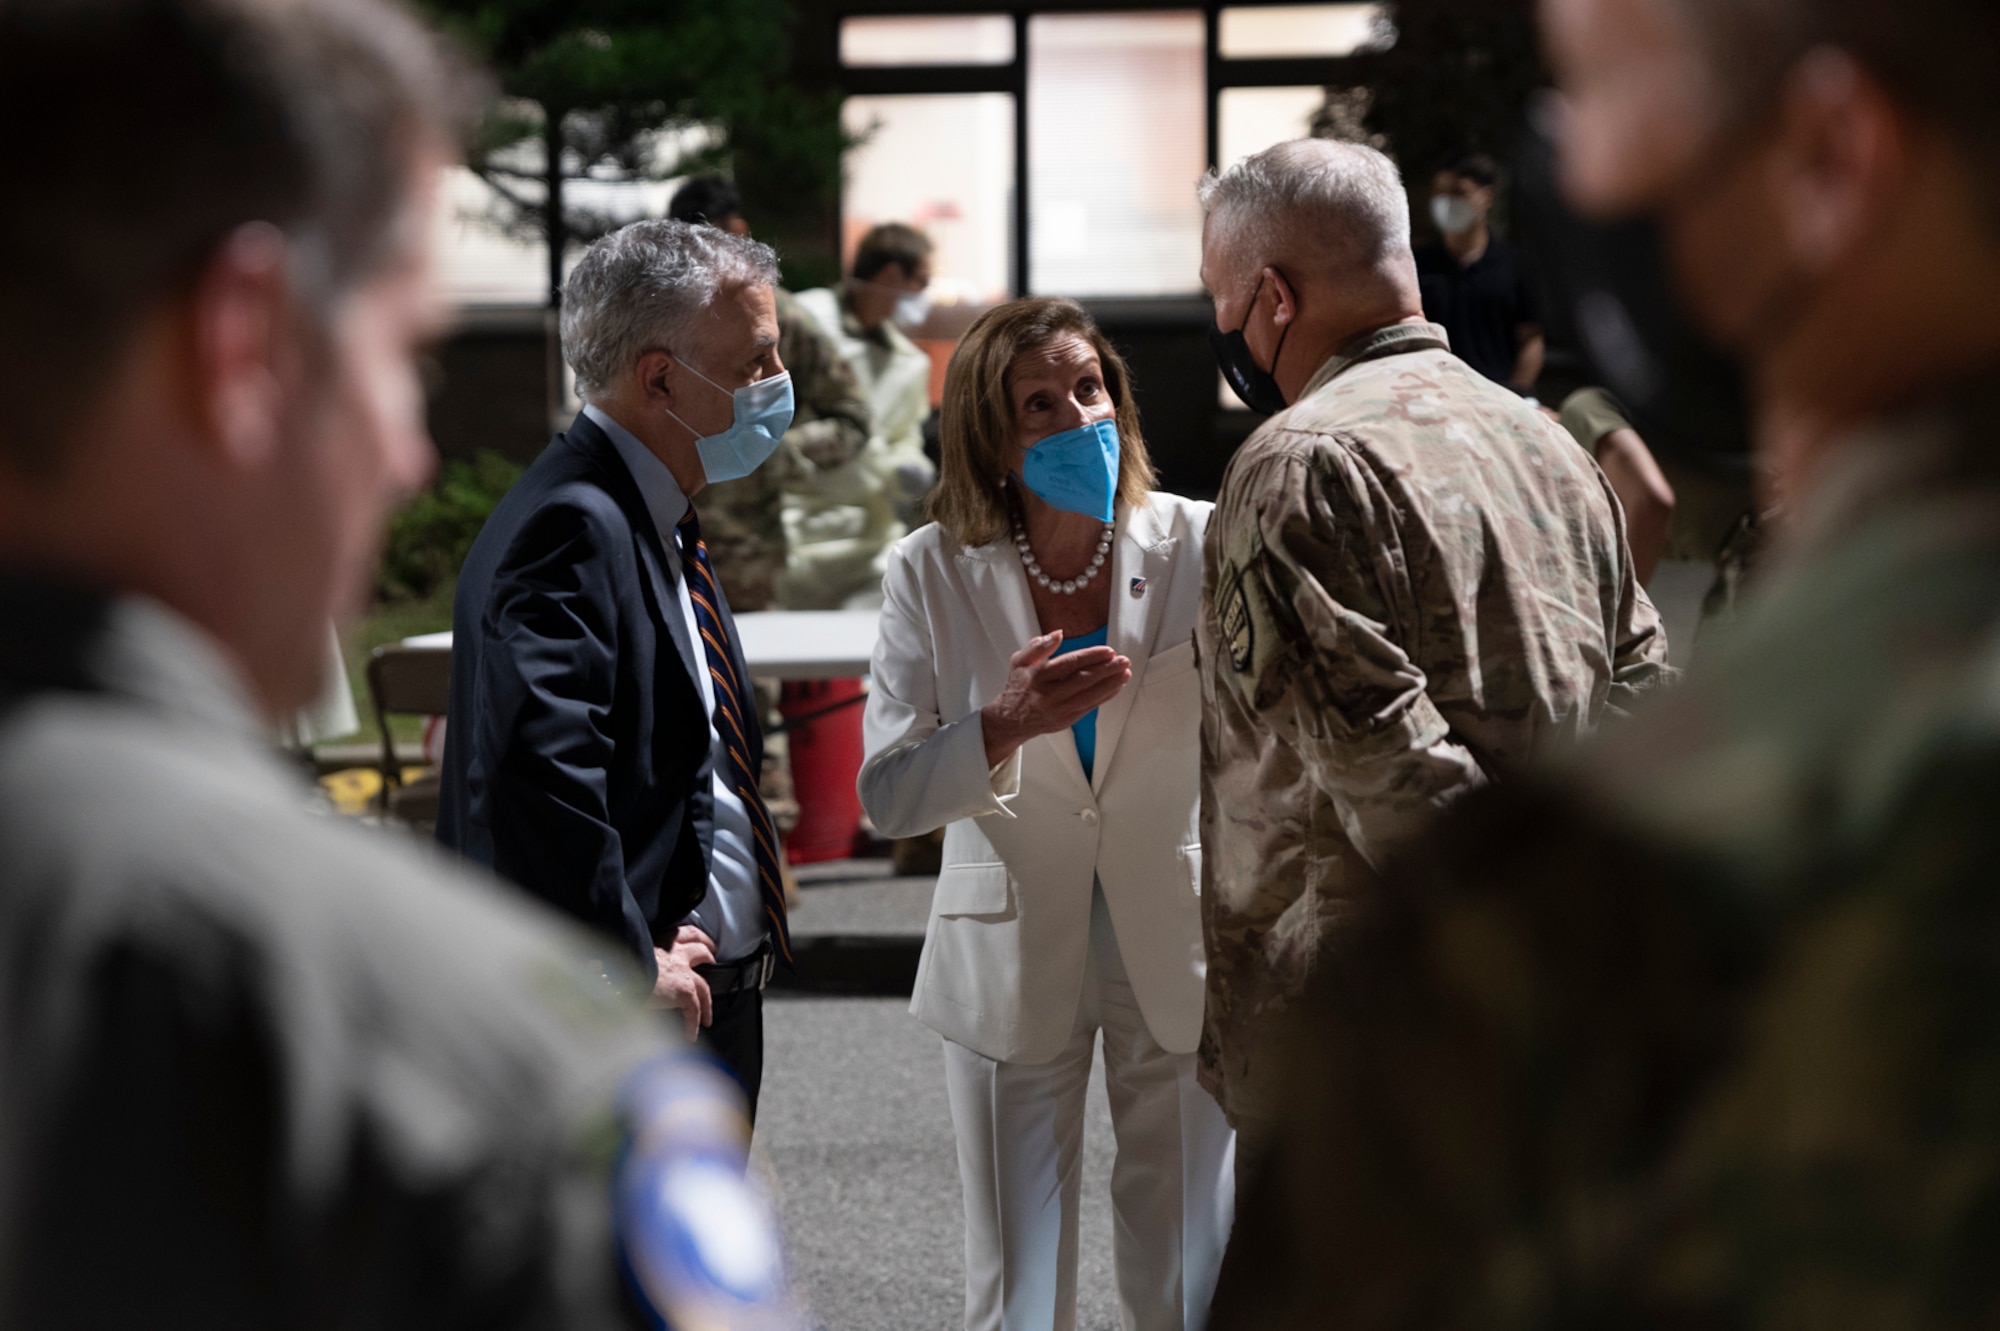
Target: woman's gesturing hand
x=1046 y=693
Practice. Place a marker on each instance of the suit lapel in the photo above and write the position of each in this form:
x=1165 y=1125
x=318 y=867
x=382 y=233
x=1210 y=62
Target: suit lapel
x=1142 y=551
x=651 y=550
x=997 y=587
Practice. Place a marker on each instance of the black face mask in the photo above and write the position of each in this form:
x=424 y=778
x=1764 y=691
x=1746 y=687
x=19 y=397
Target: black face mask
x=1253 y=384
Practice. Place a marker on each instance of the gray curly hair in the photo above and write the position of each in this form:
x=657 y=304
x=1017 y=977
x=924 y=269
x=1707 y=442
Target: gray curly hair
x=643 y=286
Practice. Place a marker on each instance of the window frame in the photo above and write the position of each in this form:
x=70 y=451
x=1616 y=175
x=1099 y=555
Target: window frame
x=1012 y=78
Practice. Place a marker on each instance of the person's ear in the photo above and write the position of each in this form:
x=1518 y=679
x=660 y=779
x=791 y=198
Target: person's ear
x=654 y=375
x=1284 y=300
x=1843 y=153
x=245 y=345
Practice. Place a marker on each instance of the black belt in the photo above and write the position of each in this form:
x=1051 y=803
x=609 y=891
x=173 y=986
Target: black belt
x=730 y=977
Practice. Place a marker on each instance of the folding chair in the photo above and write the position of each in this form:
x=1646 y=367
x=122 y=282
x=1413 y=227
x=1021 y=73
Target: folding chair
x=408 y=681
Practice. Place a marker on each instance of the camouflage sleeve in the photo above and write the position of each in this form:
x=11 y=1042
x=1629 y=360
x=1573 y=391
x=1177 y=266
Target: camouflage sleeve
x=1305 y=610
x=1639 y=664
x=830 y=423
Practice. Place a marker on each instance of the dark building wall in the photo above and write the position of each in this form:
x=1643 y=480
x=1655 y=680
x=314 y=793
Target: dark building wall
x=1188 y=433
x=491 y=393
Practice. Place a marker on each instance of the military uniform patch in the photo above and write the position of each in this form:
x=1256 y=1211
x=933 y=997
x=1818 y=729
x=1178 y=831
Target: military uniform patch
x=1233 y=616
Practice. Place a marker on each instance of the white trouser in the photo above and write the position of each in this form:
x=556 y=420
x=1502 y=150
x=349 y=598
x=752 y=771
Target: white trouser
x=1020 y=1139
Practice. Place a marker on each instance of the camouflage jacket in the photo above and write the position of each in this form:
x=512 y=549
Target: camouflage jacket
x=742 y=521
x=1698 y=1030
x=1413 y=581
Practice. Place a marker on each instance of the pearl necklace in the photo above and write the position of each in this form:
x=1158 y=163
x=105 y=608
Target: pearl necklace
x=1062 y=586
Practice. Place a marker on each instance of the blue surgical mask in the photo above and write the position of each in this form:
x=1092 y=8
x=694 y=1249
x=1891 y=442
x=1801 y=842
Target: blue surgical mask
x=1077 y=470
x=763 y=414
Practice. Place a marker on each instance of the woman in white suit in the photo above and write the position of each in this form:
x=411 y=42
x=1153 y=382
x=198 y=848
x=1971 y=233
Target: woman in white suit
x=1034 y=694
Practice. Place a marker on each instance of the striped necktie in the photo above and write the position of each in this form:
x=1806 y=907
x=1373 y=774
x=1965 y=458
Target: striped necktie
x=729 y=694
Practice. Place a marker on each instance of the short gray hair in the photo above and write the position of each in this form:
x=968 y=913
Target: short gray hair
x=643 y=286
x=1341 y=203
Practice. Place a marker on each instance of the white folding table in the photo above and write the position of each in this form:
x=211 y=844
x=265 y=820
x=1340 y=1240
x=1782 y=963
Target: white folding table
x=778 y=644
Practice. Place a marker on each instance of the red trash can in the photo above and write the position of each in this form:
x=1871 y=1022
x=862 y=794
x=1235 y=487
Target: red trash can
x=826 y=759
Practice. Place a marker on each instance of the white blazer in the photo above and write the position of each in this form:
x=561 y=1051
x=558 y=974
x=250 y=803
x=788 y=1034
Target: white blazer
x=1003 y=961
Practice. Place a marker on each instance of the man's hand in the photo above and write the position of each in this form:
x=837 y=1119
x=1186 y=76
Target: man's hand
x=678 y=985
x=1046 y=693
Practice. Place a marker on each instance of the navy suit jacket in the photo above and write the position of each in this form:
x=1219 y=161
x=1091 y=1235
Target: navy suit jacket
x=577 y=760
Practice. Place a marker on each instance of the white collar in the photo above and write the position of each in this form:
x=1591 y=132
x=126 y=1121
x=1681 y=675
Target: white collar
x=654 y=478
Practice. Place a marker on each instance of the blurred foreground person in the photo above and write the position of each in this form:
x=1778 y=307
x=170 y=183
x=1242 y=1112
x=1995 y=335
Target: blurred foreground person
x=1414 y=582
x=840 y=523
x=1035 y=696
x=1700 y=1032
x=604 y=747
x=258 y=1067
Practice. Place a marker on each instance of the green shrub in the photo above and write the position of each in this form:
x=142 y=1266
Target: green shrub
x=429 y=540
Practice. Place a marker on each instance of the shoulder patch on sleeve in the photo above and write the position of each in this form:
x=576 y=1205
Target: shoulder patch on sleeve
x=1239 y=630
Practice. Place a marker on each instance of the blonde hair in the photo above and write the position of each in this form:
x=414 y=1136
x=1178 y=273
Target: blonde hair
x=976 y=420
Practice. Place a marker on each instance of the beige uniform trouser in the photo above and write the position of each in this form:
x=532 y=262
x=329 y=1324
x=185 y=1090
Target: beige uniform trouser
x=1020 y=1151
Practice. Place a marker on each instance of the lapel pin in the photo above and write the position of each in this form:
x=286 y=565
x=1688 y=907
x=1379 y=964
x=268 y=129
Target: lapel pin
x=1138 y=587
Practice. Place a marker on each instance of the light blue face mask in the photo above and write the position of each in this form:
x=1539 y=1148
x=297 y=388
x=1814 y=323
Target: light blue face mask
x=1077 y=470
x=763 y=414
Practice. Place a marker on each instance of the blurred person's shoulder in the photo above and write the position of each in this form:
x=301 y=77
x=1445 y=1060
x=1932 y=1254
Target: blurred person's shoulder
x=1397 y=393
x=1867 y=652
x=141 y=816
x=1399 y=406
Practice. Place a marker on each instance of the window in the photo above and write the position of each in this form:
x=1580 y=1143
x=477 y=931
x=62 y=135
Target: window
x=969 y=39
x=945 y=164
x=1252 y=119
x=1289 y=31
x=1116 y=141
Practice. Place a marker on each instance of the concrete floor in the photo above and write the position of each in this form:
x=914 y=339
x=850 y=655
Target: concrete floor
x=855 y=1132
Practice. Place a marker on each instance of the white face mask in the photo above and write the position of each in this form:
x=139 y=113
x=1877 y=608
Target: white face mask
x=913 y=308
x=1454 y=215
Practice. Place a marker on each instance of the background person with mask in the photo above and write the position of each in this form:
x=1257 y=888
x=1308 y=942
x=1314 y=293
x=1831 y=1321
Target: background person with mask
x=1751 y=1083
x=1415 y=583
x=743 y=520
x=1034 y=695
x=603 y=750
x=1475 y=285
x=841 y=522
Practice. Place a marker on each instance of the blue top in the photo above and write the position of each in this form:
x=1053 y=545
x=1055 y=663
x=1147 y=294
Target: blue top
x=1085 y=726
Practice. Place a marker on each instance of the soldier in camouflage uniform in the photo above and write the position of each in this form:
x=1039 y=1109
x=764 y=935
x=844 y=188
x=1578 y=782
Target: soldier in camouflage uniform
x=1413 y=581
x=1699 y=1030
x=830 y=427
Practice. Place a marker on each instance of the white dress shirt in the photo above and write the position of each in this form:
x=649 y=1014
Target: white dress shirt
x=733 y=912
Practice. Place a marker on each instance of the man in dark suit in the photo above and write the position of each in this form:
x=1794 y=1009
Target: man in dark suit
x=603 y=750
